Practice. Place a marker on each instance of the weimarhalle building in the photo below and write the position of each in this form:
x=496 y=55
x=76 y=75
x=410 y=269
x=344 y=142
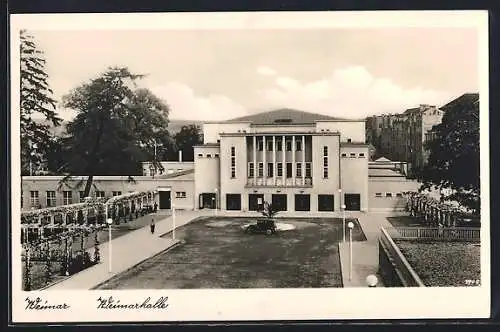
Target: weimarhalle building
x=297 y=161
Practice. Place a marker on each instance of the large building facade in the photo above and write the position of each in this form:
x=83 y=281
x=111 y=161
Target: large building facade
x=295 y=160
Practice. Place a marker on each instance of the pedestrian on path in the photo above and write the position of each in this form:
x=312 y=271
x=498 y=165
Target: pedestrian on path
x=152 y=226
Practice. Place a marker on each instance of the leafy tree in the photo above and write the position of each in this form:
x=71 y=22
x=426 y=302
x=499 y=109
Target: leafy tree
x=186 y=139
x=454 y=154
x=115 y=127
x=36 y=100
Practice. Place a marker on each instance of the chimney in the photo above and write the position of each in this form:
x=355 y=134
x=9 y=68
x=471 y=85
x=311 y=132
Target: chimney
x=180 y=155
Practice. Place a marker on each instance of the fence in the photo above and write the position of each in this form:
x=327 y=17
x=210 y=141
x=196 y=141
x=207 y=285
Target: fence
x=393 y=266
x=437 y=233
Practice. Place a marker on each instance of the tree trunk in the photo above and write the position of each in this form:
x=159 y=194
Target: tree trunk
x=88 y=186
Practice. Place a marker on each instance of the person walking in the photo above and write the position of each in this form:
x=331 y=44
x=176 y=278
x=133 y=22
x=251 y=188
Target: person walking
x=152 y=226
x=156 y=207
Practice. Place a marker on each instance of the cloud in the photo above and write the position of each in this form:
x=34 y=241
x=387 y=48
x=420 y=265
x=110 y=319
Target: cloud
x=350 y=92
x=186 y=105
x=266 y=71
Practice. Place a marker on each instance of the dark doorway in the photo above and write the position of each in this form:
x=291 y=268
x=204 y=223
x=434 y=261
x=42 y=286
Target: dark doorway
x=302 y=202
x=164 y=200
x=279 y=202
x=255 y=202
x=352 y=202
x=233 y=202
x=207 y=201
x=325 y=202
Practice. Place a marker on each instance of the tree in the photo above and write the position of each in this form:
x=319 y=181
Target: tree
x=454 y=154
x=36 y=100
x=186 y=139
x=115 y=127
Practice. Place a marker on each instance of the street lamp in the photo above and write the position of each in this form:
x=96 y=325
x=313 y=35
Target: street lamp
x=372 y=280
x=343 y=222
x=351 y=226
x=173 y=222
x=109 y=221
x=215 y=202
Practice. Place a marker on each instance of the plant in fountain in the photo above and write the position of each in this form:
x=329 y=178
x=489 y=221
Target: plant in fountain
x=266 y=225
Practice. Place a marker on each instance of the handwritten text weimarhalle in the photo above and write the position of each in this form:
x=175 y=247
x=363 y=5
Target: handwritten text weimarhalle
x=111 y=303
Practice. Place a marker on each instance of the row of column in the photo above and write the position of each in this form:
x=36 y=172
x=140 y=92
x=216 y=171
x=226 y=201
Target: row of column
x=283 y=159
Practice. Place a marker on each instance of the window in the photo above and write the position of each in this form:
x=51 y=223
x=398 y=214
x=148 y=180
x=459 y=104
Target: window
x=353 y=155
x=99 y=194
x=388 y=194
x=325 y=162
x=289 y=145
x=344 y=155
x=117 y=193
x=233 y=162
x=260 y=145
x=298 y=145
x=349 y=140
x=67 y=197
x=325 y=151
x=200 y=155
x=180 y=194
x=216 y=155
x=270 y=170
x=251 y=170
x=299 y=169
x=209 y=156
x=280 y=169
x=261 y=170
x=378 y=194
x=361 y=155
x=34 y=198
x=279 y=145
x=289 y=170
x=269 y=145
x=399 y=195
x=308 y=170
x=51 y=198
x=82 y=196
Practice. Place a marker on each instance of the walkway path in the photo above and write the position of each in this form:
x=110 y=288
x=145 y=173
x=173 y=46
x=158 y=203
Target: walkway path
x=365 y=253
x=128 y=250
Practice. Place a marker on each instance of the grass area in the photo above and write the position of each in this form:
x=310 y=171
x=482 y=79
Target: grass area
x=443 y=263
x=217 y=254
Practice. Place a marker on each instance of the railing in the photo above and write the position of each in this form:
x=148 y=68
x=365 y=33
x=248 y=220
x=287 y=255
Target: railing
x=393 y=266
x=437 y=233
x=278 y=182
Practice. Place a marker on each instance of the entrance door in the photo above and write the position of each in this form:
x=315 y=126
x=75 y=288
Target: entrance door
x=164 y=200
x=279 y=202
x=325 y=202
x=302 y=202
x=255 y=202
x=233 y=202
x=352 y=202
x=207 y=201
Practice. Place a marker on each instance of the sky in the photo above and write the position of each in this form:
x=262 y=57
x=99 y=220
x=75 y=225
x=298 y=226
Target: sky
x=212 y=75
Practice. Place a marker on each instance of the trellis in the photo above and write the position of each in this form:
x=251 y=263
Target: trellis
x=48 y=235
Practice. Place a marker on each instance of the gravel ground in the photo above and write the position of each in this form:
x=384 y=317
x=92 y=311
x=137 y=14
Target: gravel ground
x=218 y=254
x=442 y=263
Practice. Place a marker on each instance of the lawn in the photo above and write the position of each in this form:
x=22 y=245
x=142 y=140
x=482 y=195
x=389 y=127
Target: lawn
x=443 y=263
x=217 y=254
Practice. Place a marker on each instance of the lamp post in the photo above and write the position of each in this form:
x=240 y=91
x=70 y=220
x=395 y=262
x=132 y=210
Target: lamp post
x=351 y=226
x=173 y=222
x=109 y=221
x=215 y=202
x=343 y=222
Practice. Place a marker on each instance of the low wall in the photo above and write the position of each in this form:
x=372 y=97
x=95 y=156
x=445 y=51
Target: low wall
x=393 y=266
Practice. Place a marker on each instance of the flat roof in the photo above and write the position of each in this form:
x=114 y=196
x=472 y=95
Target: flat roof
x=383 y=172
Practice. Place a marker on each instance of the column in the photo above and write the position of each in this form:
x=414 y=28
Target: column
x=293 y=160
x=274 y=160
x=283 y=161
x=254 y=159
x=264 y=166
x=303 y=159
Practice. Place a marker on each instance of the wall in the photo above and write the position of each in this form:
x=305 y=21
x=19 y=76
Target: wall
x=207 y=171
x=108 y=184
x=355 y=130
x=394 y=186
x=354 y=173
x=235 y=185
x=169 y=167
x=211 y=131
x=331 y=185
